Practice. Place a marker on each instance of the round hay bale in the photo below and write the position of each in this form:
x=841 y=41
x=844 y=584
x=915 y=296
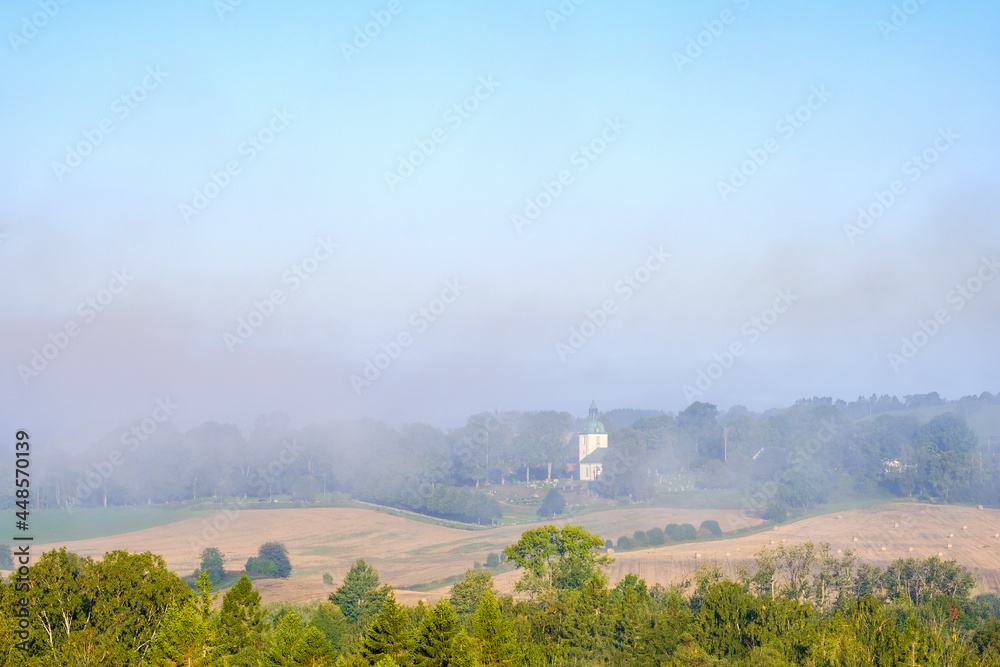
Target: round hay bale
x=895 y=525
x=949 y=545
x=940 y=554
x=951 y=534
x=965 y=527
x=840 y=551
x=783 y=540
x=697 y=555
x=855 y=539
x=911 y=548
x=980 y=507
x=883 y=548
x=728 y=554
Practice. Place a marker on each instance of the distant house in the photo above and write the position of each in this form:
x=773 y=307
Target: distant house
x=593 y=446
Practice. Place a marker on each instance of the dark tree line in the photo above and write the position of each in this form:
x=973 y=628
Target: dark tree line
x=780 y=460
x=416 y=467
x=800 y=456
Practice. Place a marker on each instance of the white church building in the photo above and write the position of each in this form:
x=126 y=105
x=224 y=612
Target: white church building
x=593 y=446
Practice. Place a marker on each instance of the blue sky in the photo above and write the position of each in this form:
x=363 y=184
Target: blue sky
x=678 y=131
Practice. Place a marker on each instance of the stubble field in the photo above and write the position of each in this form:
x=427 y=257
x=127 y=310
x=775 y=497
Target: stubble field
x=410 y=553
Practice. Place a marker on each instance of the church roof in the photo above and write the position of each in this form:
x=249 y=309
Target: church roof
x=593 y=425
x=597 y=456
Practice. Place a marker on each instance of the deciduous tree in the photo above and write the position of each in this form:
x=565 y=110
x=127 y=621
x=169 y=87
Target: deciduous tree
x=561 y=557
x=468 y=593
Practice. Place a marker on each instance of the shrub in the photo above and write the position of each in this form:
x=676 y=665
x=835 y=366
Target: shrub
x=656 y=537
x=328 y=579
x=776 y=513
x=261 y=567
x=271 y=561
x=688 y=532
x=608 y=544
x=673 y=531
x=493 y=560
x=624 y=543
x=640 y=537
x=553 y=504
x=212 y=562
x=712 y=527
x=277 y=554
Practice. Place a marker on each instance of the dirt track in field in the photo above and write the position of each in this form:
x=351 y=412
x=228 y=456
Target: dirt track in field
x=408 y=552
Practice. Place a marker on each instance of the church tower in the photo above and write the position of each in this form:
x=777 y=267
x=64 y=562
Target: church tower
x=593 y=446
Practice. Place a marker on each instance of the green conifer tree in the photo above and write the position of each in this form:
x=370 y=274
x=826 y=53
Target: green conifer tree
x=388 y=635
x=296 y=645
x=463 y=651
x=494 y=634
x=330 y=621
x=240 y=630
x=206 y=598
x=436 y=636
x=181 y=639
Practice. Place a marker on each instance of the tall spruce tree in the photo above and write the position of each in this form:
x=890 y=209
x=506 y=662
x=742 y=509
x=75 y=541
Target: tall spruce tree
x=463 y=651
x=296 y=645
x=388 y=635
x=441 y=641
x=494 y=635
x=182 y=639
x=329 y=620
x=206 y=598
x=240 y=630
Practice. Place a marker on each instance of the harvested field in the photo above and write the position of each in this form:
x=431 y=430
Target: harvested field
x=408 y=553
x=405 y=552
x=881 y=535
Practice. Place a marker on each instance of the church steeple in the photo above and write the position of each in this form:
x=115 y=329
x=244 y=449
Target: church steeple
x=593 y=425
x=593 y=446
